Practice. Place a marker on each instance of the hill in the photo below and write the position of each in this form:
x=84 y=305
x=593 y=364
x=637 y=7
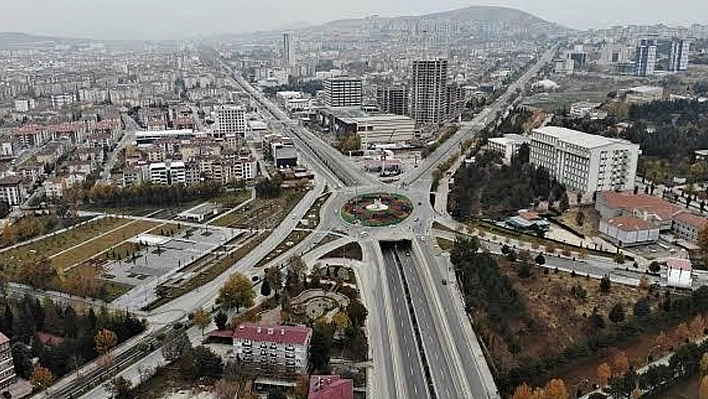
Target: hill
x=19 y=39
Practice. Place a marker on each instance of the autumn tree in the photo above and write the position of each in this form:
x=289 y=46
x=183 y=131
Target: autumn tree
x=201 y=319
x=226 y=389
x=104 y=341
x=644 y=283
x=703 y=241
x=682 y=332
x=555 y=389
x=604 y=372
x=121 y=388
x=8 y=234
x=637 y=393
x=697 y=326
x=704 y=364
x=620 y=363
x=663 y=342
x=341 y=322
x=523 y=391
x=41 y=378
x=703 y=388
x=236 y=292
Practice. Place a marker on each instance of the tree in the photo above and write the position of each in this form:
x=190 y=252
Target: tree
x=636 y=393
x=201 y=319
x=655 y=267
x=220 y=320
x=605 y=284
x=175 y=345
x=320 y=346
x=703 y=388
x=104 y=341
x=274 y=278
x=265 y=288
x=550 y=247
x=22 y=359
x=617 y=313
x=555 y=389
x=41 y=378
x=620 y=363
x=703 y=364
x=236 y=292
x=540 y=260
x=703 y=240
x=604 y=372
x=121 y=388
x=564 y=203
x=622 y=386
x=226 y=389
x=642 y=309
x=644 y=282
x=662 y=342
x=207 y=364
x=523 y=391
x=341 y=321
x=357 y=313
x=8 y=234
x=682 y=332
x=697 y=326
x=580 y=217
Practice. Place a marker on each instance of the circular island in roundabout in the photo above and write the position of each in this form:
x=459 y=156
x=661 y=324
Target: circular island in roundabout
x=377 y=209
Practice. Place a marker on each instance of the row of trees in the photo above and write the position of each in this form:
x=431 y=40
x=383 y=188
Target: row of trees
x=486 y=288
x=145 y=194
x=75 y=337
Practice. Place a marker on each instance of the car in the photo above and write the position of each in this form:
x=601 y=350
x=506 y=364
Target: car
x=415 y=220
x=408 y=253
x=444 y=282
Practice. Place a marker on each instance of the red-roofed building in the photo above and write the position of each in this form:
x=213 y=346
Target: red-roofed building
x=271 y=348
x=31 y=135
x=330 y=387
x=688 y=225
x=679 y=273
x=626 y=231
x=75 y=131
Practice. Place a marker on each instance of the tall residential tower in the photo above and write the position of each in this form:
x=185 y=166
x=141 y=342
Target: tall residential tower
x=429 y=92
x=288 y=51
x=645 y=58
x=678 y=58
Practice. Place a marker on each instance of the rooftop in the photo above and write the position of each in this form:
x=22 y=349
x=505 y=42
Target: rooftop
x=679 y=264
x=641 y=203
x=273 y=333
x=629 y=223
x=578 y=138
x=330 y=387
x=691 y=219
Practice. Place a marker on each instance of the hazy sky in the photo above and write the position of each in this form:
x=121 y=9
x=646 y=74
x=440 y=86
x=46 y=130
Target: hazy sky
x=160 y=19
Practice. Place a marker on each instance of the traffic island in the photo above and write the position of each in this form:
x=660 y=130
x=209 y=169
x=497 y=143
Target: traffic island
x=377 y=209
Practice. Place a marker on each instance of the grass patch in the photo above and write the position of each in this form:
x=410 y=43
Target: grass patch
x=99 y=244
x=442 y=227
x=166 y=379
x=445 y=244
x=54 y=244
x=350 y=250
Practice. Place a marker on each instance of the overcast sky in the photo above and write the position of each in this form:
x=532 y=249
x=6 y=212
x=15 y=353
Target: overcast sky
x=163 y=19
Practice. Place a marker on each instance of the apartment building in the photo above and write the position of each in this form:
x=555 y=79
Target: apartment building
x=271 y=348
x=584 y=162
x=343 y=92
x=169 y=172
x=645 y=58
x=429 y=91
x=230 y=119
x=678 y=57
x=7 y=367
x=12 y=190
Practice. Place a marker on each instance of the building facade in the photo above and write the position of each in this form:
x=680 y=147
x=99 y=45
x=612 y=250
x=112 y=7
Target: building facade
x=12 y=190
x=584 y=162
x=273 y=348
x=429 y=91
x=507 y=145
x=343 y=92
x=230 y=119
x=393 y=100
x=288 y=51
x=678 y=57
x=645 y=58
x=7 y=367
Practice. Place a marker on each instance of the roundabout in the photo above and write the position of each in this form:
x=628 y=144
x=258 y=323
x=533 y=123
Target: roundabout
x=377 y=209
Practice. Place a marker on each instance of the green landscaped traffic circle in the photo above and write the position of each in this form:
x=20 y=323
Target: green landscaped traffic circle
x=377 y=209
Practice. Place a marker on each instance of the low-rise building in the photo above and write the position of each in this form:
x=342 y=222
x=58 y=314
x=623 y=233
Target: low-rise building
x=583 y=108
x=644 y=94
x=626 y=231
x=528 y=221
x=688 y=226
x=371 y=128
x=330 y=387
x=270 y=348
x=507 y=145
x=679 y=273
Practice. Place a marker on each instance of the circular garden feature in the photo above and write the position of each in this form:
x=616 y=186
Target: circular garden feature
x=377 y=209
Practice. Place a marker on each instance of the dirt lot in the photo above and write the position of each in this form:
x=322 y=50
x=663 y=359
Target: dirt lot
x=591 y=220
x=563 y=321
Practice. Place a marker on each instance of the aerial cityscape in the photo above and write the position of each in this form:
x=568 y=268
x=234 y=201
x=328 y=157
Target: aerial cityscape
x=373 y=201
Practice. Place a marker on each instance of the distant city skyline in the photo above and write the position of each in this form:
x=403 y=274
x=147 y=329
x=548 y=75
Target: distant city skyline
x=180 y=19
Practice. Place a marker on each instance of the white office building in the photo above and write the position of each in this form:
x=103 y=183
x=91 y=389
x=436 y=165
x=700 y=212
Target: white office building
x=230 y=119
x=507 y=145
x=168 y=172
x=585 y=162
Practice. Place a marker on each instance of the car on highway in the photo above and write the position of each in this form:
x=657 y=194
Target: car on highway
x=444 y=282
x=408 y=253
x=415 y=220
